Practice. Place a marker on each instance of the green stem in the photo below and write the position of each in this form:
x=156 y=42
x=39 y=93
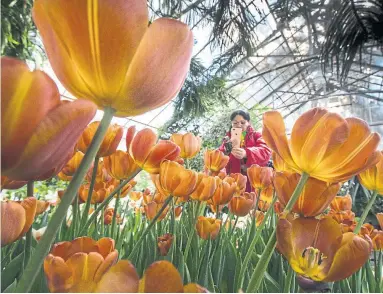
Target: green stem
x=115 y=212
x=146 y=231
x=74 y=218
x=366 y=211
x=106 y=201
x=35 y=263
x=95 y=222
x=91 y=187
x=28 y=236
x=192 y=233
x=233 y=227
x=252 y=244
x=263 y=262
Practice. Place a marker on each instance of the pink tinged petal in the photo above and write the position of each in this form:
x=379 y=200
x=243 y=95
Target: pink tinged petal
x=158 y=68
x=54 y=139
x=120 y=278
x=58 y=274
x=142 y=145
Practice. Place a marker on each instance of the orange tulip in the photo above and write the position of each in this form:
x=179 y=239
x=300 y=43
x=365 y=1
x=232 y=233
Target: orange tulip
x=215 y=160
x=278 y=208
x=241 y=181
x=60 y=195
x=341 y=203
x=84 y=265
x=377 y=240
x=120 y=165
x=259 y=216
x=190 y=145
x=224 y=192
x=7 y=183
x=100 y=192
x=109 y=143
x=323 y=144
x=162 y=277
x=205 y=187
x=372 y=178
x=164 y=243
x=208 y=227
x=315 y=197
x=242 y=204
x=279 y=164
x=178 y=211
x=317 y=249
x=41 y=206
x=343 y=217
x=102 y=175
x=16 y=219
x=152 y=208
x=71 y=167
x=135 y=195
x=38 y=132
x=120 y=61
x=260 y=177
x=113 y=184
x=266 y=198
x=108 y=216
x=379 y=217
x=176 y=180
x=148 y=154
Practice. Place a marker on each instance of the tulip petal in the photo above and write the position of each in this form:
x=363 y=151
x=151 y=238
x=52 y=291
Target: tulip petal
x=158 y=68
x=379 y=217
x=105 y=246
x=54 y=139
x=161 y=151
x=13 y=215
x=161 y=277
x=26 y=98
x=354 y=156
x=59 y=275
x=274 y=134
x=142 y=144
x=354 y=251
x=78 y=37
x=315 y=134
x=121 y=278
x=30 y=206
x=109 y=261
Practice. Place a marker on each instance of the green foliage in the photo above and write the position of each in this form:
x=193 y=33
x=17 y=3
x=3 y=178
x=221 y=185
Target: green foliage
x=18 y=32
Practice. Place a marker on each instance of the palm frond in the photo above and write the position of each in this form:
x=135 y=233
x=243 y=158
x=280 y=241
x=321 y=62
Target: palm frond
x=356 y=24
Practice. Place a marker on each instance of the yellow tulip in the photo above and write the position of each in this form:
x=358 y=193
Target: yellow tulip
x=323 y=144
x=372 y=178
x=106 y=52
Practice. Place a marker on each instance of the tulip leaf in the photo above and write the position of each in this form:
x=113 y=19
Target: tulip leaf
x=11 y=288
x=230 y=266
x=271 y=284
x=9 y=274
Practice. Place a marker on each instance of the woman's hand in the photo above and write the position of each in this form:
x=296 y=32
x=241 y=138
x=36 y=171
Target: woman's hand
x=239 y=153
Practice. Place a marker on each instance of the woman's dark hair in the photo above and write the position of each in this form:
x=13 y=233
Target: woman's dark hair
x=242 y=113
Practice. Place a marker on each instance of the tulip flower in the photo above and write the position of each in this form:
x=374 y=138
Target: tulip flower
x=205 y=187
x=152 y=208
x=162 y=277
x=38 y=132
x=242 y=204
x=164 y=243
x=323 y=144
x=259 y=216
x=9 y=184
x=71 y=167
x=215 y=160
x=109 y=143
x=16 y=219
x=120 y=61
x=224 y=192
x=377 y=240
x=84 y=265
x=148 y=154
x=317 y=249
x=178 y=210
x=372 y=178
x=108 y=216
x=379 y=217
x=41 y=206
x=208 y=228
x=265 y=198
x=341 y=203
x=343 y=217
x=241 y=181
x=99 y=193
x=120 y=165
x=113 y=184
x=176 y=180
x=315 y=197
x=135 y=195
x=190 y=145
x=260 y=177
x=278 y=208
x=102 y=175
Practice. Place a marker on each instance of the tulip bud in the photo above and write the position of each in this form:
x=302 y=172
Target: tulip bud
x=208 y=227
x=164 y=243
x=190 y=145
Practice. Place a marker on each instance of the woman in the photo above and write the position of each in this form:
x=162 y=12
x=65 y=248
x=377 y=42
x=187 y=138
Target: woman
x=252 y=150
